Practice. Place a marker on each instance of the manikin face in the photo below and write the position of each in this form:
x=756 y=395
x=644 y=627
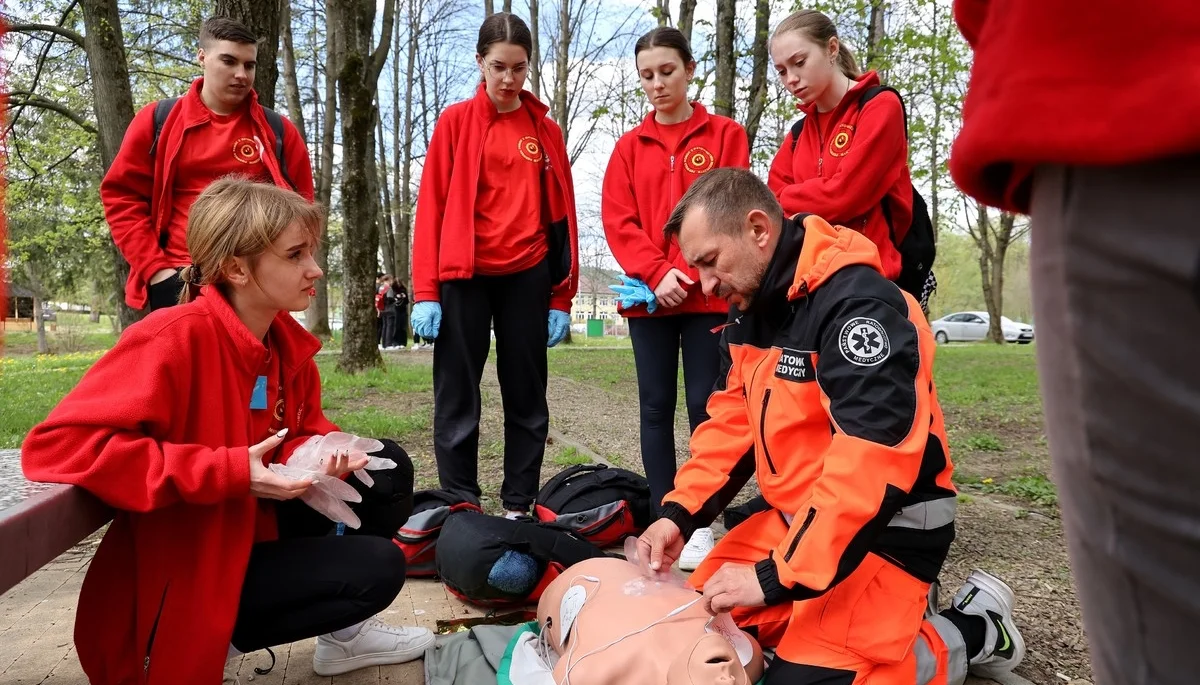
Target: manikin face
x=711 y=661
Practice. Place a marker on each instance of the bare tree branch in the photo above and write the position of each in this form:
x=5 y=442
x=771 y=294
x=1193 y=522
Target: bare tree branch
x=70 y=35
x=19 y=100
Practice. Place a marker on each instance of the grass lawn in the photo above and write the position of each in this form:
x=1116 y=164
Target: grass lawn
x=989 y=394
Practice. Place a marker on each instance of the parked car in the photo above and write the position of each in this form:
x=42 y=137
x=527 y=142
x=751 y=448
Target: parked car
x=967 y=326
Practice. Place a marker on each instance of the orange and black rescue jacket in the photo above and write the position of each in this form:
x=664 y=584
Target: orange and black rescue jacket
x=826 y=395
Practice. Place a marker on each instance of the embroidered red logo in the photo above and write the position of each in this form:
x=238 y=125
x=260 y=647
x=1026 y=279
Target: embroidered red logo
x=698 y=160
x=530 y=148
x=842 y=136
x=245 y=150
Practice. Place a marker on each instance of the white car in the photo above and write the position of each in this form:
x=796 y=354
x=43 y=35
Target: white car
x=967 y=326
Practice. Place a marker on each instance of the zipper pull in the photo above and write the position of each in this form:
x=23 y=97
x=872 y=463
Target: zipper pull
x=820 y=164
x=672 y=163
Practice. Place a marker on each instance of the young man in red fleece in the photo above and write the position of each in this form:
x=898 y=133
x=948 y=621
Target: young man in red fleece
x=216 y=129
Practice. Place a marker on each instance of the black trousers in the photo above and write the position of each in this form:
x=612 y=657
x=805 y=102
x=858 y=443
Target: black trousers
x=310 y=581
x=657 y=342
x=388 y=336
x=518 y=306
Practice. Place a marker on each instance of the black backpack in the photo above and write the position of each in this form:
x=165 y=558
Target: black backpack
x=918 y=248
x=162 y=108
x=471 y=544
x=602 y=504
x=419 y=535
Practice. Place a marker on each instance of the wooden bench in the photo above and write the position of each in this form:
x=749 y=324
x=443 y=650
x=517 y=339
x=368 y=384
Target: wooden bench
x=38 y=528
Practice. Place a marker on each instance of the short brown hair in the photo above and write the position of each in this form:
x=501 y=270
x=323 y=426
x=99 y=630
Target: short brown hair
x=224 y=28
x=727 y=195
x=237 y=217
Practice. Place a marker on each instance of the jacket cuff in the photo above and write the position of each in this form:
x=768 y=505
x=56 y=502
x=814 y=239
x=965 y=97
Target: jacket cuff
x=680 y=516
x=774 y=591
x=561 y=302
x=664 y=267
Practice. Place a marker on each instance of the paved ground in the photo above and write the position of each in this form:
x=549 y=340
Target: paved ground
x=37 y=617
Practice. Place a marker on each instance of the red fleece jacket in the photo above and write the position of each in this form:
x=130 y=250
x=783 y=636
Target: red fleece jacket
x=1071 y=83
x=642 y=185
x=160 y=430
x=137 y=189
x=444 y=232
x=846 y=163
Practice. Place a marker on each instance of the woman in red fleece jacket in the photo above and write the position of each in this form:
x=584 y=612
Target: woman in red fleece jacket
x=1086 y=116
x=650 y=169
x=494 y=246
x=848 y=160
x=210 y=553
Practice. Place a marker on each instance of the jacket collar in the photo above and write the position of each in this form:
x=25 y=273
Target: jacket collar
x=195 y=110
x=867 y=80
x=295 y=344
x=698 y=120
x=486 y=109
x=809 y=252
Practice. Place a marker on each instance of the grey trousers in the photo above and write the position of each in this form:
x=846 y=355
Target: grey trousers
x=1114 y=269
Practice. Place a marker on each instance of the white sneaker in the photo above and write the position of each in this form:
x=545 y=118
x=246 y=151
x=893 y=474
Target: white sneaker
x=696 y=549
x=377 y=644
x=989 y=597
x=415 y=346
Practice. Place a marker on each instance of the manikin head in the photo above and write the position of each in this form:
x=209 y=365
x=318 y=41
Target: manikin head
x=711 y=661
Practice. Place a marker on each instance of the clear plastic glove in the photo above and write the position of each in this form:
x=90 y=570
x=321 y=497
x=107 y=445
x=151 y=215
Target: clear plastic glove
x=635 y=292
x=426 y=319
x=557 y=326
x=322 y=459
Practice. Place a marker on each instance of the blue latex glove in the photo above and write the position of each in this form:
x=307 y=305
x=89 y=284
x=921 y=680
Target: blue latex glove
x=634 y=293
x=557 y=327
x=426 y=319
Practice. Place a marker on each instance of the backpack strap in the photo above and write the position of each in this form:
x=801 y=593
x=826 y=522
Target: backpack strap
x=162 y=109
x=560 y=479
x=275 y=121
x=796 y=129
x=871 y=92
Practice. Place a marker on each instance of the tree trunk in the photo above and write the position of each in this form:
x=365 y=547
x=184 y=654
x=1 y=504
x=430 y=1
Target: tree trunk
x=402 y=155
x=875 y=33
x=386 y=217
x=723 y=87
x=562 y=65
x=357 y=84
x=316 y=318
x=262 y=16
x=112 y=99
x=662 y=12
x=488 y=8
x=508 y=5
x=758 y=76
x=97 y=302
x=687 y=10
x=291 y=86
x=535 y=60
x=938 y=91
x=35 y=288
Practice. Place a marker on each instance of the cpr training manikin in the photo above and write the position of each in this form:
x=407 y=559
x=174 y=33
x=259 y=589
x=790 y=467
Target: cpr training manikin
x=602 y=622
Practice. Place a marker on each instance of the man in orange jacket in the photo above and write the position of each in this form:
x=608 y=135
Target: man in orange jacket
x=826 y=395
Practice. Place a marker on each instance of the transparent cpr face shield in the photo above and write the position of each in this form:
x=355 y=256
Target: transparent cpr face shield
x=719 y=656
